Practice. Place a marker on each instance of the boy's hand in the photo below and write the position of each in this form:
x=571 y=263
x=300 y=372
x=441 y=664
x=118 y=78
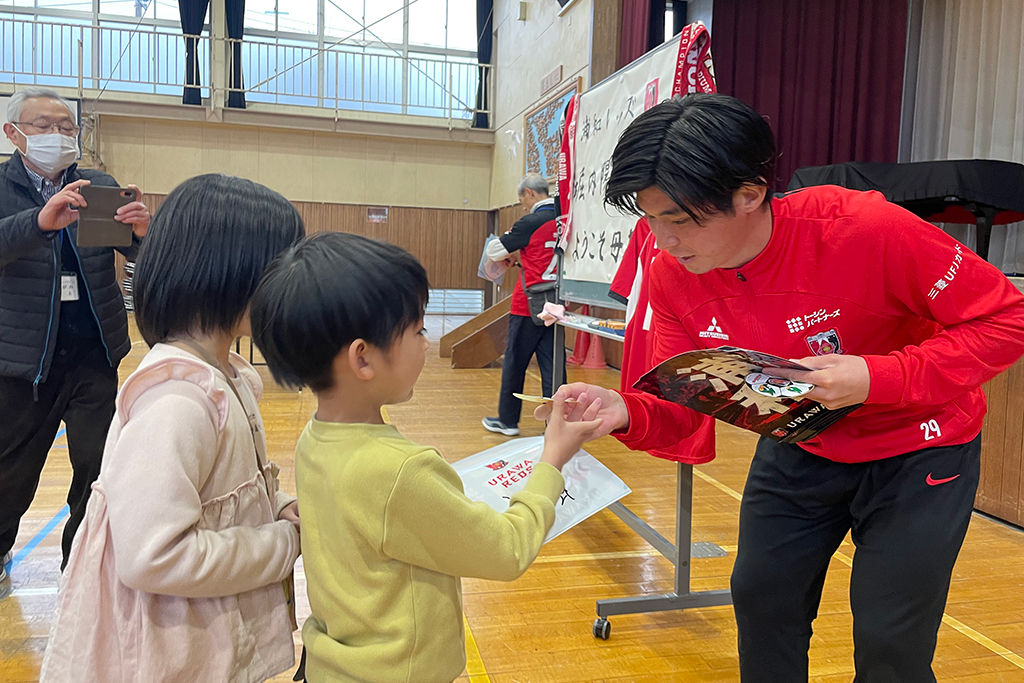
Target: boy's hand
x=563 y=439
x=290 y=513
x=612 y=409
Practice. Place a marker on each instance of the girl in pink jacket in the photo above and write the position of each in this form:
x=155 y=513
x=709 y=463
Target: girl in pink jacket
x=180 y=570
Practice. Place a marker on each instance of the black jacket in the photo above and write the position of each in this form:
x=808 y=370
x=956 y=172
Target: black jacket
x=30 y=266
x=523 y=229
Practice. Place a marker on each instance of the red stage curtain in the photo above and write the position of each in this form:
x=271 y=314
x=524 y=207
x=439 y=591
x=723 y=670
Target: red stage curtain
x=636 y=24
x=827 y=74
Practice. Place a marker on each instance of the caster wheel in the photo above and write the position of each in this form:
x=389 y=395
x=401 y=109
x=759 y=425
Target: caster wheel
x=602 y=628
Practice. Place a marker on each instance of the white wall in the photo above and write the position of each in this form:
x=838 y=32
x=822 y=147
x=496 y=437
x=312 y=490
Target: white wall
x=303 y=165
x=525 y=52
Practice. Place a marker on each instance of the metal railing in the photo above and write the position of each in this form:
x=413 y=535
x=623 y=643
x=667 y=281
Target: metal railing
x=88 y=57
x=151 y=59
x=345 y=77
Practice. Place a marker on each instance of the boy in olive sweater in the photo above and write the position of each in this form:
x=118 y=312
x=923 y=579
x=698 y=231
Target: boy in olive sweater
x=387 y=530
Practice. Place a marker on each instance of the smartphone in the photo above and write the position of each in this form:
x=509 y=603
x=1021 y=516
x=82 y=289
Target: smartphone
x=97 y=226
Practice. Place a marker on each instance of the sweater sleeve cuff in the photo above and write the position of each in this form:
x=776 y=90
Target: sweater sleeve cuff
x=546 y=481
x=886 y=374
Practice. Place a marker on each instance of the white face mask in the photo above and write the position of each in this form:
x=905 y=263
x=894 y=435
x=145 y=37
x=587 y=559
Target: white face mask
x=50 y=153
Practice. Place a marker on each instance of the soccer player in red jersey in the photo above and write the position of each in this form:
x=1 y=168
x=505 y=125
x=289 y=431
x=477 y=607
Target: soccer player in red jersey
x=889 y=311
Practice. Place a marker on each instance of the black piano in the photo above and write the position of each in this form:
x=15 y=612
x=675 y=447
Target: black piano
x=977 y=191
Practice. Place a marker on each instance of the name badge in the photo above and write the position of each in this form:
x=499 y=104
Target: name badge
x=68 y=287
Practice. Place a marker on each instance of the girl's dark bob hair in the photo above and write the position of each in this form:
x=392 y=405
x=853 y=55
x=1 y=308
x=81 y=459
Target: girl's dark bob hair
x=204 y=255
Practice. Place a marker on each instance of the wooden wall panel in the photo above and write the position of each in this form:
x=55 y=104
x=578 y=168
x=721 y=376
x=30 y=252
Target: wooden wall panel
x=447 y=242
x=606 y=27
x=1001 y=487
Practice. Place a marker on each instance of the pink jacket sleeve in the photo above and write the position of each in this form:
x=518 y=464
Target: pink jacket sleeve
x=152 y=475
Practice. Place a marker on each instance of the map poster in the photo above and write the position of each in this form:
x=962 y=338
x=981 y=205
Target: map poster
x=541 y=132
x=737 y=386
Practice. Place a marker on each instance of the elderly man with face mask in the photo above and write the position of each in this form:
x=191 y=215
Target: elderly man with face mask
x=63 y=326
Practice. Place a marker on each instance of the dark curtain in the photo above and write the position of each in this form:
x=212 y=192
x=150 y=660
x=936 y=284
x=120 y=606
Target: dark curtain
x=636 y=26
x=484 y=44
x=234 y=14
x=656 y=24
x=643 y=27
x=678 y=17
x=193 y=16
x=828 y=75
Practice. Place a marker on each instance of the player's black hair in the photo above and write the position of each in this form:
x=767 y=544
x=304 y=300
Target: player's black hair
x=205 y=252
x=328 y=291
x=698 y=149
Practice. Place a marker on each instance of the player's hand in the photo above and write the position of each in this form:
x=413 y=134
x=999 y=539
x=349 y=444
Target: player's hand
x=612 y=412
x=135 y=214
x=839 y=381
x=58 y=214
x=290 y=513
x=563 y=439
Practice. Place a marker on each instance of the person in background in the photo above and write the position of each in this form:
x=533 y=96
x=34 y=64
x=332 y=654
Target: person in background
x=63 y=325
x=534 y=237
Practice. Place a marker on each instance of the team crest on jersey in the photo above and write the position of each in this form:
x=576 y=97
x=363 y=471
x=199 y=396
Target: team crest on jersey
x=824 y=343
x=497 y=465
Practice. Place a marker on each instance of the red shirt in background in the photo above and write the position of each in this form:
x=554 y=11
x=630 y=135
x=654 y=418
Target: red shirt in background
x=631 y=284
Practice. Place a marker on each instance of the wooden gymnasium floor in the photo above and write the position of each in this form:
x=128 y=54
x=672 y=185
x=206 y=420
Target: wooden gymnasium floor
x=537 y=629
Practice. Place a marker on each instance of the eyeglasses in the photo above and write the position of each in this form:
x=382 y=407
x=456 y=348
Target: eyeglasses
x=42 y=126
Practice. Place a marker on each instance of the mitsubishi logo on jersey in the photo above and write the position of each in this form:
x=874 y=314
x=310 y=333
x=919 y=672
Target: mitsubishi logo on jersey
x=714 y=331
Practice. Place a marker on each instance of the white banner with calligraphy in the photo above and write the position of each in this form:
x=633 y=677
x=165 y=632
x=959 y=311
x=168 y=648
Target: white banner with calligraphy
x=598 y=236
x=494 y=475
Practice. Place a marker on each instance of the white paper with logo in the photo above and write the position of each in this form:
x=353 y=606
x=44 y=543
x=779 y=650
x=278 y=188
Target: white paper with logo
x=494 y=475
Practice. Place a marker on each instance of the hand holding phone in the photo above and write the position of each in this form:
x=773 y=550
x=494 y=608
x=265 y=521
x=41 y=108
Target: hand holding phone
x=98 y=223
x=62 y=209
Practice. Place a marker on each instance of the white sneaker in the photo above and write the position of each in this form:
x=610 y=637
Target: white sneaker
x=493 y=424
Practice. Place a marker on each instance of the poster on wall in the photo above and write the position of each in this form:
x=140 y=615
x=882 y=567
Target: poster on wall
x=598 y=235
x=495 y=475
x=541 y=130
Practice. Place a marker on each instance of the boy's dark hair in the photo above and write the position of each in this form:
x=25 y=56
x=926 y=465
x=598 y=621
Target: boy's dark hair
x=205 y=252
x=698 y=149
x=326 y=292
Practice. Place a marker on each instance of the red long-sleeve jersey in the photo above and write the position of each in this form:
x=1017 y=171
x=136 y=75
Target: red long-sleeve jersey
x=847 y=272
x=632 y=282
